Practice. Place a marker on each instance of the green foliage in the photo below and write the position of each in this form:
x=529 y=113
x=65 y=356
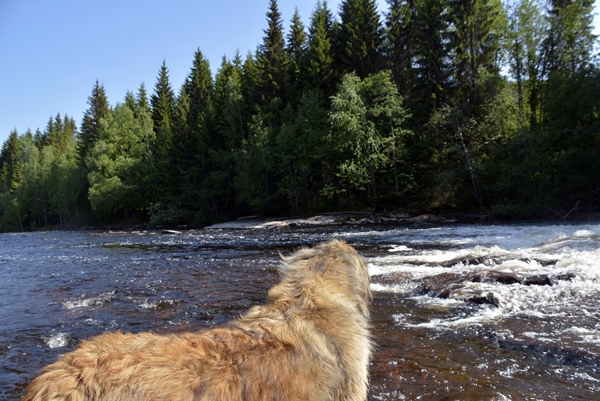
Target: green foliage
x=91 y=120
x=116 y=164
x=318 y=68
x=366 y=131
x=361 y=37
x=462 y=104
x=163 y=103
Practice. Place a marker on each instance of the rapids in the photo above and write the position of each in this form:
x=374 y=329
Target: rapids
x=533 y=342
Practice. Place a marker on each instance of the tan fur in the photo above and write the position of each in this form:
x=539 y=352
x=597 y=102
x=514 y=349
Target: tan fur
x=309 y=342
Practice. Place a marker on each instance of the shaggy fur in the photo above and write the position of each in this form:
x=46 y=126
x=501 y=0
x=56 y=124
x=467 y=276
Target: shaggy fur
x=309 y=342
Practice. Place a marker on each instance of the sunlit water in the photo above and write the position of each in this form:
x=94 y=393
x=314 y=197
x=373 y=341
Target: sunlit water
x=534 y=342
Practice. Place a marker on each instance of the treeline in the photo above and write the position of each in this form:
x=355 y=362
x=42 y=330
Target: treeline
x=436 y=105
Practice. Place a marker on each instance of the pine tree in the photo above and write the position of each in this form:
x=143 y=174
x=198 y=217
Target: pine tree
x=91 y=119
x=361 y=37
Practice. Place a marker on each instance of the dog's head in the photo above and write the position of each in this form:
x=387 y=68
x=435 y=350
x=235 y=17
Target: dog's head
x=329 y=272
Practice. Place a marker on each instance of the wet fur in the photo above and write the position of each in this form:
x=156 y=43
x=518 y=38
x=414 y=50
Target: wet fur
x=309 y=342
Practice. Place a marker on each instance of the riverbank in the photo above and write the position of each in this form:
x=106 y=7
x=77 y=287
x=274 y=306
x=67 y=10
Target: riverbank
x=356 y=218
x=348 y=218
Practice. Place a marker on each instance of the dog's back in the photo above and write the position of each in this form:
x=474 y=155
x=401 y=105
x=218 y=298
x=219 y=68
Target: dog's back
x=309 y=342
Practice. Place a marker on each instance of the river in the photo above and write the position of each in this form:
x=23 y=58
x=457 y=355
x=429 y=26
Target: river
x=516 y=316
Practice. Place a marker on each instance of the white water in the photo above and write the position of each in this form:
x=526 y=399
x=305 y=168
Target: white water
x=520 y=250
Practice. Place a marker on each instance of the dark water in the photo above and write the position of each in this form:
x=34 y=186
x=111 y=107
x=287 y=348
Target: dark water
x=536 y=343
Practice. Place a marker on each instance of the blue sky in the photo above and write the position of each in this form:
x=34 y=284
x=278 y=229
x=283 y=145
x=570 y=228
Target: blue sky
x=53 y=51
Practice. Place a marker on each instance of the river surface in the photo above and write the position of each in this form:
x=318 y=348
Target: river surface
x=524 y=341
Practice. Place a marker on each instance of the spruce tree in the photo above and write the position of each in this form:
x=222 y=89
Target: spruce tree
x=296 y=48
x=361 y=37
x=10 y=169
x=162 y=101
x=399 y=43
x=98 y=109
x=475 y=42
x=199 y=89
x=130 y=101
x=570 y=41
x=141 y=99
x=271 y=68
x=319 y=66
x=432 y=57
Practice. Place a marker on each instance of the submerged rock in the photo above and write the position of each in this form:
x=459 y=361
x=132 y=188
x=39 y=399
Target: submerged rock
x=442 y=285
x=488 y=299
x=540 y=279
x=565 y=277
x=496 y=277
x=393 y=278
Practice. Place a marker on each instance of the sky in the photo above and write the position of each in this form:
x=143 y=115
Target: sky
x=52 y=52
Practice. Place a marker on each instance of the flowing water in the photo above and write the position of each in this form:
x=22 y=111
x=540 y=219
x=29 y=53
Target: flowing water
x=536 y=337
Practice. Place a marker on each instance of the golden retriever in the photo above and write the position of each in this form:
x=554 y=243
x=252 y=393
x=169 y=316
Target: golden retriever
x=311 y=341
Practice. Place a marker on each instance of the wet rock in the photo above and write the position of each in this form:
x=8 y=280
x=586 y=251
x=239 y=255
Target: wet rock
x=545 y=263
x=481 y=260
x=442 y=285
x=565 y=277
x=488 y=299
x=393 y=278
x=496 y=277
x=540 y=279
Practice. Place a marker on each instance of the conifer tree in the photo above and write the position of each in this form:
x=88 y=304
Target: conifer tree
x=98 y=109
x=296 y=48
x=249 y=84
x=570 y=41
x=361 y=37
x=199 y=89
x=527 y=32
x=431 y=57
x=10 y=169
x=475 y=42
x=141 y=99
x=271 y=68
x=162 y=101
x=399 y=43
x=319 y=67
x=130 y=101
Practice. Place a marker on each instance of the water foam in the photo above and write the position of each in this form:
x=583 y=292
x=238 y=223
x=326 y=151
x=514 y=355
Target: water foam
x=574 y=256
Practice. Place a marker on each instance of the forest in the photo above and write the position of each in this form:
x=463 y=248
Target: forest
x=433 y=106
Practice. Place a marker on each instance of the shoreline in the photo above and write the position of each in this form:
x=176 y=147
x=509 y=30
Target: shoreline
x=352 y=218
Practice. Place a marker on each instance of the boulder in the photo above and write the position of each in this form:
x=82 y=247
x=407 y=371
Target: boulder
x=540 y=279
x=496 y=277
x=442 y=285
x=488 y=299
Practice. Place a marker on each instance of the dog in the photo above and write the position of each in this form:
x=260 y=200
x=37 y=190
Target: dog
x=310 y=341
